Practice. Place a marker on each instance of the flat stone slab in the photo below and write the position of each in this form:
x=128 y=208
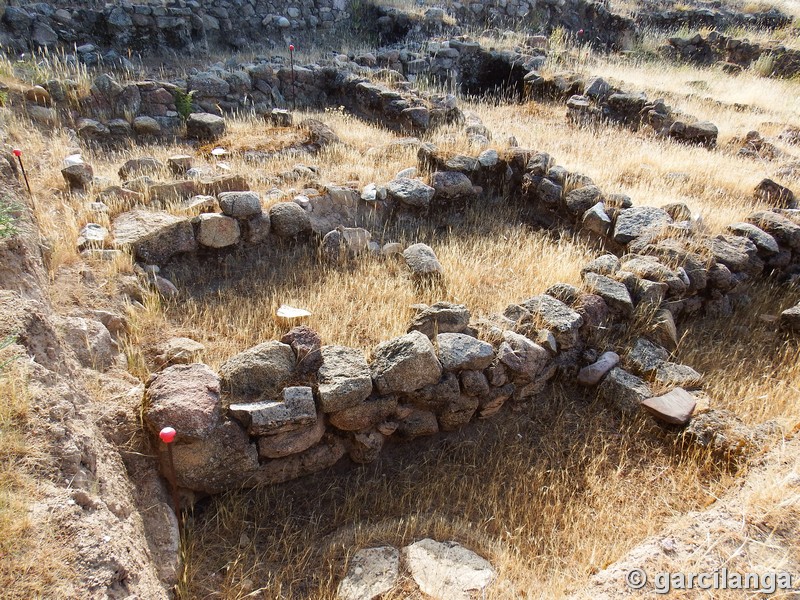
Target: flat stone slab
x=447 y=570
x=675 y=407
x=291 y=442
x=295 y=411
x=372 y=572
x=154 y=236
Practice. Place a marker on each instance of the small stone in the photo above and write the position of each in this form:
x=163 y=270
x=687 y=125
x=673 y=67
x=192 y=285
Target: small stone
x=38 y=95
x=765 y=243
x=140 y=166
x=522 y=355
x=288 y=220
x=774 y=194
x=179 y=164
x=279 y=117
x=592 y=374
x=410 y=192
x=370 y=413
x=291 y=442
x=613 y=292
x=645 y=357
x=673 y=374
x=79 y=176
x=422 y=261
x=240 y=205
x=418 y=423
x=597 y=220
x=624 y=391
x=260 y=370
x=442 y=317
x=405 y=364
x=633 y=222
x=144 y=125
x=180 y=351
x=186 y=397
x=556 y=316
x=92 y=235
x=344 y=378
x=790 y=319
x=447 y=571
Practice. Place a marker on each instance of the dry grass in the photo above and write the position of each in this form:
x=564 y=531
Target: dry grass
x=759 y=377
x=493 y=265
x=30 y=565
x=550 y=493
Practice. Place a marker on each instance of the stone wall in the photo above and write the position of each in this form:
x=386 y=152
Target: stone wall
x=151 y=26
x=114 y=110
x=196 y=26
x=281 y=410
x=733 y=54
x=718 y=16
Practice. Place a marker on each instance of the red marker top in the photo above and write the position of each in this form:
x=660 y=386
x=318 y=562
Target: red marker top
x=17 y=152
x=291 y=47
x=580 y=32
x=167 y=435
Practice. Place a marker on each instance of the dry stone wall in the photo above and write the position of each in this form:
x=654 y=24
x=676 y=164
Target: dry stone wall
x=288 y=408
x=199 y=25
x=150 y=26
x=733 y=54
x=117 y=110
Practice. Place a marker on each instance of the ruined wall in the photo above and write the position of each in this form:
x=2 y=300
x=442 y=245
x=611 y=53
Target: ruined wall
x=197 y=26
x=733 y=54
x=281 y=410
x=153 y=26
